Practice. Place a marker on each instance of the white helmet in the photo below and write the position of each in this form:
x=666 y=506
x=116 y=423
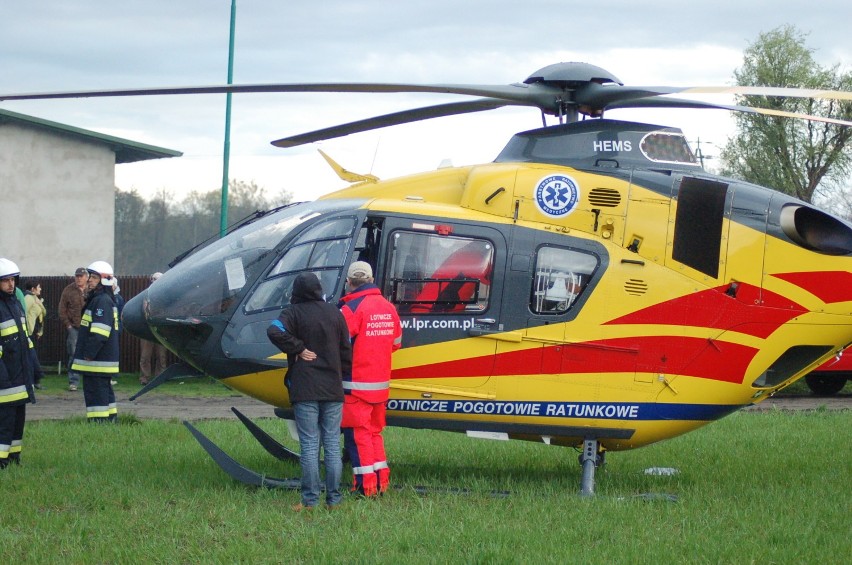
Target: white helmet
x=103 y=270
x=8 y=269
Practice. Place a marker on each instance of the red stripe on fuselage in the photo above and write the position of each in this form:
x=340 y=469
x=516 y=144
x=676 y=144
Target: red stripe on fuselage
x=696 y=357
x=753 y=311
x=828 y=286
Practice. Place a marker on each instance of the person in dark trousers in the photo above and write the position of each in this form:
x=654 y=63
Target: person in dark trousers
x=96 y=357
x=152 y=357
x=16 y=376
x=70 y=310
x=313 y=334
x=376 y=333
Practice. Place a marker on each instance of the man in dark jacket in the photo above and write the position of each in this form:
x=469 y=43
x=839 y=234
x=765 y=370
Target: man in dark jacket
x=313 y=334
x=96 y=357
x=70 y=311
x=16 y=377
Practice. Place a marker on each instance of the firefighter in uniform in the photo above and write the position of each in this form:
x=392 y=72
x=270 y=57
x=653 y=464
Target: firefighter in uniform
x=376 y=333
x=96 y=357
x=16 y=372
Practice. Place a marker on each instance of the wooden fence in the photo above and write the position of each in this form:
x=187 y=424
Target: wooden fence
x=51 y=347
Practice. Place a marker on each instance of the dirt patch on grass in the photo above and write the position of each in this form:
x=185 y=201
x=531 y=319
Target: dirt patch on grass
x=156 y=407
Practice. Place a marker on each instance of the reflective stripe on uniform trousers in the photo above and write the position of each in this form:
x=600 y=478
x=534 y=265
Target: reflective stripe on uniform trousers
x=82 y=365
x=101 y=411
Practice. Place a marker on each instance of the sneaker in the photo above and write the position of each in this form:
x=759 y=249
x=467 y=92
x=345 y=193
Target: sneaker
x=39 y=386
x=72 y=388
x=302 y=508
x=113 y=382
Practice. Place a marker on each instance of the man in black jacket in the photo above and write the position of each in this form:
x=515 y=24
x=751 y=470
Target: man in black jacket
x=16 y=373
x=96 y=356
x=314 y=336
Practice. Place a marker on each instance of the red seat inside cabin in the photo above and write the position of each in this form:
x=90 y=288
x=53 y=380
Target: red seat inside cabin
x=473 y=261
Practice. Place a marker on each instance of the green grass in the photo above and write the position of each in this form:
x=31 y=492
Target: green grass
x=768 y=487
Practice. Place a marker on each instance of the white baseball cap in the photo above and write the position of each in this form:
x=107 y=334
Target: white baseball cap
x=360 y=270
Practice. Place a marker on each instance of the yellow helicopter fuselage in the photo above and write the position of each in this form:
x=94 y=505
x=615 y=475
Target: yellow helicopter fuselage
x=674 y=326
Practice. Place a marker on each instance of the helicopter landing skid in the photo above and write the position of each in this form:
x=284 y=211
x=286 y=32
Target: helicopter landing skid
x=237 y=471
x=270 y=444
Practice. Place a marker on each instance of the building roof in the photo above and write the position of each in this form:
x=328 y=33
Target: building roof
x=126 y=151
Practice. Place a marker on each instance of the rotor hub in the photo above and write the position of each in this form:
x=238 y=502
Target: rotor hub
x=572 y=75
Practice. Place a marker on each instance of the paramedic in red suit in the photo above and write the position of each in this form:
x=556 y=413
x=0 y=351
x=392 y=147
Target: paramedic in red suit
x=376 y=333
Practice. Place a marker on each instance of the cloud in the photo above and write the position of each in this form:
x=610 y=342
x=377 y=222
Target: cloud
x=59 y=45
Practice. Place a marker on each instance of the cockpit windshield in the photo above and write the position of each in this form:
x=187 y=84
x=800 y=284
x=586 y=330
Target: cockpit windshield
x=209 y=281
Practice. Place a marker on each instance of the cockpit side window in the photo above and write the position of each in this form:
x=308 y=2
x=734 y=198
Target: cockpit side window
x=432 y=273
x=321 y=249
x=560 y=277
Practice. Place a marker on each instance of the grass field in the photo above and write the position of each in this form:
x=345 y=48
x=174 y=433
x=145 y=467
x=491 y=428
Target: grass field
x=769 y=487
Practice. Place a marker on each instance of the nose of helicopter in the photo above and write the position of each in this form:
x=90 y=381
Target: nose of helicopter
x=133 y=317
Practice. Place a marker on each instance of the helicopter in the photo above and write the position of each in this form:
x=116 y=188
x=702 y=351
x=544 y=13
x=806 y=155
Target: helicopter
x=593 y=287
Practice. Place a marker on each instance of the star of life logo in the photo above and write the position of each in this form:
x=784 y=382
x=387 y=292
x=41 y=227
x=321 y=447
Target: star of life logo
x=557 y=195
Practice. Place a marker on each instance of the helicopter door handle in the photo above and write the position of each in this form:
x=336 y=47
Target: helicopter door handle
x=485 y=321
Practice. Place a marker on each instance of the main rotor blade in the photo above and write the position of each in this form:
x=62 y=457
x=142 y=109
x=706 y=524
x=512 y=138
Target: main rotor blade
x=683 y=103
x=397 y=118
x=600 y=96
x=767 y=91
x=515 y=92
x=550 y=97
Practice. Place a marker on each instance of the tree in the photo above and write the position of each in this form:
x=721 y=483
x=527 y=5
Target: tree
x=129 y=217
x=802 y=158
x=150 y=234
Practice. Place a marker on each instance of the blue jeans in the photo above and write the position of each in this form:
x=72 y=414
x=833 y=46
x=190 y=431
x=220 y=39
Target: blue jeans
x=71 y=347
x=315 y=420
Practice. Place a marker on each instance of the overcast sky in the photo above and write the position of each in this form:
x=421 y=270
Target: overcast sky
x=52 y=45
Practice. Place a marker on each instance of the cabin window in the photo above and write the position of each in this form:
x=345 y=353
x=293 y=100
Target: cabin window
x=560 y=277
x=667 y=147
x=698 y=224
x=322 y=249
x=431 y=273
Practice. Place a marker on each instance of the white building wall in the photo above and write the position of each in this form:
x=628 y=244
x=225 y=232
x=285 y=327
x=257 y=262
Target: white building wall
x=57 y=201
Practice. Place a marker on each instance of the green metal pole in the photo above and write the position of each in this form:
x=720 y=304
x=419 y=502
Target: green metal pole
x=223 y=217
